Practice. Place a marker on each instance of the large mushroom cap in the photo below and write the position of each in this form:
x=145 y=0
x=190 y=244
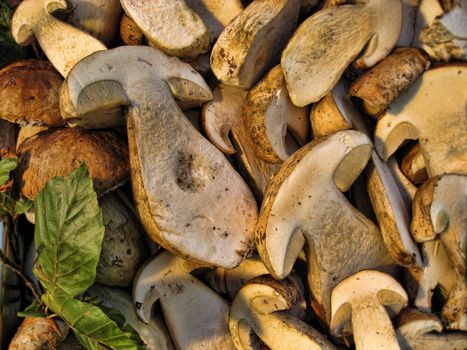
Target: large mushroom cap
x=57 y=152
x=29 y=93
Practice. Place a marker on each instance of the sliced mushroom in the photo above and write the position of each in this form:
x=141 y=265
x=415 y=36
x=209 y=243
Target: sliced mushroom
x=439 y=208
x=445 y=38
x=172 y=26
x=216 y=14
x=379 y=86
x=304 y=203
x=328 y=41
x=250 y=44
x=223 y=115
x=177 y=174
x=326 y=118
x=358 y=307
x=421 y=331
x=260 y=311
x=129 y=31
x=409 y=10
x=97 y=17
x=201 y=64
x=154 y=332
x=413 y=166
x=26 y=132
x=441 y=127
x=196 y=316
x=58 y=151
x=29 y=91
x=63 y=44
x=268 y=114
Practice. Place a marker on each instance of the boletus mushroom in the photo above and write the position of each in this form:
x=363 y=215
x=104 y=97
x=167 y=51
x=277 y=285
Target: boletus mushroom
x=304 y=203
x=259 y=311
x=196 y=316
x=177 y=174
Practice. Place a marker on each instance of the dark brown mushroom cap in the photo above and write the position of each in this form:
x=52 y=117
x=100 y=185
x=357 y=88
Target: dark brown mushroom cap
x=29 y=93
x=57 y=152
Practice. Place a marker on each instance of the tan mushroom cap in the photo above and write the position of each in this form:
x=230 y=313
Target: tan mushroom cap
x=29 y=93
x=57 y=152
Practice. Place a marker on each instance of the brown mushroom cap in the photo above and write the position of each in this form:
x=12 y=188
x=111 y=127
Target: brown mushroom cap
x=57 y=152
x=29 y=93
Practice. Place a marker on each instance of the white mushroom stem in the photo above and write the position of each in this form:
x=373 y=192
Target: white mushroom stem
x=63 y=44
x=361 y=298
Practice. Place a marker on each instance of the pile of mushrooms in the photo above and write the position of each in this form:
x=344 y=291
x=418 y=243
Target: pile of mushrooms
x=273 y=174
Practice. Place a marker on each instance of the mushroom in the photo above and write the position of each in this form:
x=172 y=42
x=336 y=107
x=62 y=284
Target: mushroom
x=196 y=316
x=326 y=118
x=97 y=17
x=223 y=115
x=304 y=203
x=268 y=114
x=26 y=132
x=38 y=333
x=216 y=14
x=129 y=32
x=441 y=127
x=58 y=151
x=439 y=208
x=250 y=44
x=123 y=248
x=172 y=26
x=379 y=86
x=259 y=310
x=358 y=307
x=413 y=165
x=421 y=331
x=409 y=11
x=29 y=93
x=445 y=37
x=154 y=333
x=327 y=42
x=63 y=44
x=177 y=175
x=7 y=136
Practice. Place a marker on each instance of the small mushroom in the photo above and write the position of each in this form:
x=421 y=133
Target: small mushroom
x=422 y=331
x=177 y=174
x=129 y=31
x=172 y=26
x=358 y=307
x=413 y=166
x=326 y=118
x=63 y=44
x=380 y=85
x=58 y=151
x=223 y=115
x=304 y=203
x=154 y=333
x=326 y=43
x=269 y=114
x=97 y=17
x=196 y=316
x=259 y=310
x=29 y=91
x=441 y=127
x=37 y=333
x=250 y=44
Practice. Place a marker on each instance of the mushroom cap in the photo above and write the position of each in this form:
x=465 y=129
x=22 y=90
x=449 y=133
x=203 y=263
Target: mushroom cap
x=29 y=11
x=29 y=91
x=359 y=287
x=57 y=152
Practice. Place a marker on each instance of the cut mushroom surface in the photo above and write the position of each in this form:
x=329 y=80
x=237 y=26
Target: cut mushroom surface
x=304 y=202
x=177 y=174
x=196 y=316
x=63 y=44
x=248 y=46
x=441 y=127
x=358 y=307
x=172 y=26
x=413 y=166
x=269 y=114
x=328 y=41
x=260 y=310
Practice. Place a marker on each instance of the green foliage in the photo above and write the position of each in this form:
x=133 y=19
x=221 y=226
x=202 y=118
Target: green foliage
x=6 y=166
x=33 y=310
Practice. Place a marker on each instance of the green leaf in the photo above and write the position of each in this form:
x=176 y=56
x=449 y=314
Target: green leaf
x=7 y=204
x=68 y=234
x=89 y=323
x=33 y=310
x=7 y=165
x=23 y=205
